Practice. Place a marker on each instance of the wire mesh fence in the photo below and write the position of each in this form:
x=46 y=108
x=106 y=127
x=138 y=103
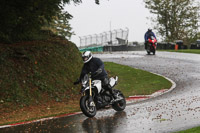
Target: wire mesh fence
x=114 y=37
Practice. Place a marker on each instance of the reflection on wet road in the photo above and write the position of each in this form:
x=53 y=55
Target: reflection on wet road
x=107 y=124
x=174 y=111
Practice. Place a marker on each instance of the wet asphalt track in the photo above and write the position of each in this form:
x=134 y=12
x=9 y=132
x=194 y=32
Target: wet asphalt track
x=174 y=111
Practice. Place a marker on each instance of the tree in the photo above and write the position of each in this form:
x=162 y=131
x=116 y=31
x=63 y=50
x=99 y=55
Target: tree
x=60 y=25
x=23 y=19
x=175 y=19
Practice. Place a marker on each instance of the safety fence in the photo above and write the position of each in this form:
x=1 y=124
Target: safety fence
x=114 y=37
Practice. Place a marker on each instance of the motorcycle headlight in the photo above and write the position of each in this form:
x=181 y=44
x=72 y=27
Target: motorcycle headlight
x=84 y=82
x=84 y=85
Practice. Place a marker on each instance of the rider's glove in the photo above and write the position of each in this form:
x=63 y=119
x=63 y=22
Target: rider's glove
x=77 y=82
x=81 y=91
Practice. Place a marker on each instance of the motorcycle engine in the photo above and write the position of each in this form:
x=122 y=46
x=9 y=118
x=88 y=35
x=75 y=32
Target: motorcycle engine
x=107 y=98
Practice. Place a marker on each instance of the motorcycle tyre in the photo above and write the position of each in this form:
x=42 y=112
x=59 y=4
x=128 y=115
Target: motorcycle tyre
x=83 y=106
x=154 y=51
x=120 y=105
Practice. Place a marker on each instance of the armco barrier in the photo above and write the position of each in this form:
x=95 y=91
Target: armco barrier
x=93 y=49
x=123 y=48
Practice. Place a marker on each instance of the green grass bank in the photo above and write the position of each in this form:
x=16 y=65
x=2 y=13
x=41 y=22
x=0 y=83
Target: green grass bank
x=34 y=72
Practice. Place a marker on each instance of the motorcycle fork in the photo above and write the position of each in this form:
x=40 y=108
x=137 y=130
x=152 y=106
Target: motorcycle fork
x=90 y=96
x=90 y=84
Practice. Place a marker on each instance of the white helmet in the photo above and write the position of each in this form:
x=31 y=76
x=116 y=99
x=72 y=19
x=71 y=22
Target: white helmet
x=86 y=56
x=149 y=29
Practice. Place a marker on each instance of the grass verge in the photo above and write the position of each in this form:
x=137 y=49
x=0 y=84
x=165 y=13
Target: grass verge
x=192 y=130
x=193 y=51
x=136 y=82
x=131 y=82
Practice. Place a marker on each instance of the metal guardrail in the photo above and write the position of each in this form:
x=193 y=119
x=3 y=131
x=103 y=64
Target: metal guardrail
x=92 y=49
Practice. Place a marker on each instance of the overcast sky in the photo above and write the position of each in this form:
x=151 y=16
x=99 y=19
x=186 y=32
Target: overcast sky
x=89 y=18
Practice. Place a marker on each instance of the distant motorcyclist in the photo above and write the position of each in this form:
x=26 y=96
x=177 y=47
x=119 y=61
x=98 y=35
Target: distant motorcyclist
x=96 y=67
x=148 y=35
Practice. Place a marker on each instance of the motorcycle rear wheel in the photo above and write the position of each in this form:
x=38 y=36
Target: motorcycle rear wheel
x=85 y=108
x=120 y=105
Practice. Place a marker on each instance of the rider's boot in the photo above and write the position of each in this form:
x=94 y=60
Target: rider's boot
x=114 y=95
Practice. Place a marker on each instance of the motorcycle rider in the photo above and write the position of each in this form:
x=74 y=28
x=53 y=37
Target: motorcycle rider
x=148 y=35
x=96 y=67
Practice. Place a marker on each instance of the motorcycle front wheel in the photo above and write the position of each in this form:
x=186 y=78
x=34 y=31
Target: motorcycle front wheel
x=89 y=111
x=148 y=48
x=120 y=105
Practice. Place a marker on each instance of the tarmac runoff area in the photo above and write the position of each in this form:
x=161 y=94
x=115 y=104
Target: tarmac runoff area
x=129 y=100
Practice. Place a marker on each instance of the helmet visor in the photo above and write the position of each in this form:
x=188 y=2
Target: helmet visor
x=85 y=58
